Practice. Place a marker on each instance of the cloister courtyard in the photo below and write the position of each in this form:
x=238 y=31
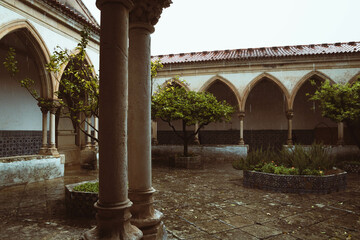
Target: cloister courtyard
x=210 y=203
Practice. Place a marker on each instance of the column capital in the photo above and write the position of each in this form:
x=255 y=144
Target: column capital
x=55 y=105
x=241 y=115
x=146 y=13
x=129 y=4
x=289 y=114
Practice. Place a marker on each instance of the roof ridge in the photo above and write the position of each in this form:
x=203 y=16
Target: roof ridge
x=262 y=52
x=352 y=43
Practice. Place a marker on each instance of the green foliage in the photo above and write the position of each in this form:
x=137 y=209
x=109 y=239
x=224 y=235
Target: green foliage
x=176 y=103
x=291 y=161
x=155 y=67
x=79 y=86
x=78 y=93
x=10 y=62
x=341 y=103
x=88 y=187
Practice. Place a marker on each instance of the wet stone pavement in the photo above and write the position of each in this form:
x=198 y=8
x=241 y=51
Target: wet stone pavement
x=197 y=204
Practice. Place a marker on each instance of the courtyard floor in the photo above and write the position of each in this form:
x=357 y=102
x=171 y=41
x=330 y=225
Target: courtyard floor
x=197 y=204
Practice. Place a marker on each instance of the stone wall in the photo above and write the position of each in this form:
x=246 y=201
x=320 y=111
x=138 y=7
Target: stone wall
x=17 y=170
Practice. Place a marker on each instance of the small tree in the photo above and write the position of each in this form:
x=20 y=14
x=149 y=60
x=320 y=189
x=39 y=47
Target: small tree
x=341 y=103
x=175 y=103
x=78 y=92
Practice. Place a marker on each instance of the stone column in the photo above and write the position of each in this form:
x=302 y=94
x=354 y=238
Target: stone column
x=289 y=116
x=88 y=145
x=113 y=207
x=44 y=147
x=241 y=117
x=52 y=148
x=196 y=137
x=340 y=134
x=154 y=140
x=142 y=18
x=96 y=134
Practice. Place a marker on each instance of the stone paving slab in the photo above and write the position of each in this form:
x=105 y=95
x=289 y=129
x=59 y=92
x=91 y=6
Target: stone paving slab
x=197 y=204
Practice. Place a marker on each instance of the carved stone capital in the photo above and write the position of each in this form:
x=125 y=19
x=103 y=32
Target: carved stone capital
x=289 y=114
x=55 y=106
x=147 y=11
x=241 y=115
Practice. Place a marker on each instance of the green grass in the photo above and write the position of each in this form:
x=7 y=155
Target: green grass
x=88 y=187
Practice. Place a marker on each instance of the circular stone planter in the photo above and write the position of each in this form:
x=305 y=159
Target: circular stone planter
x=80 y=204
x=191 y=162
x=295 y=183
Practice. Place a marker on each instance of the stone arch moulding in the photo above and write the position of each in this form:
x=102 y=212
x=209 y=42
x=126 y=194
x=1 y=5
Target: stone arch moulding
x=302 y=81
x=212 y=80
x=39 y=49
x=354 y=78
x=177 y=82
x=256 y=80
x=63 y=67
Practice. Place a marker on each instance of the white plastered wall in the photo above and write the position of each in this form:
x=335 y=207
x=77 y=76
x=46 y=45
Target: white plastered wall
x=19 y=111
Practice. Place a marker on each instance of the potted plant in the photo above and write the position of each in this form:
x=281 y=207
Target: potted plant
x=174 y=102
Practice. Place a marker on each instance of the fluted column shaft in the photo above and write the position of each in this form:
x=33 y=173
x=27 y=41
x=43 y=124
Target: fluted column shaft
x=52 y=148
x=241 y=118
x=44 y=147
x=113 y=215
x=289 y=116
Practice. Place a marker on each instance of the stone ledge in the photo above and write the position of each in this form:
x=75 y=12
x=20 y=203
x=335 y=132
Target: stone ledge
x=34 y=168
x=295 y=183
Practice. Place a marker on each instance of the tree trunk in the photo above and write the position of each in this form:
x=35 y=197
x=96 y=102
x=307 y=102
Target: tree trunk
x=185 y=139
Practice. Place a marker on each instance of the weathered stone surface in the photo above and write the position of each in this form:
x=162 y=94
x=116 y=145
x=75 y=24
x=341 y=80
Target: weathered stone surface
x=30 y=169
x=197 y=204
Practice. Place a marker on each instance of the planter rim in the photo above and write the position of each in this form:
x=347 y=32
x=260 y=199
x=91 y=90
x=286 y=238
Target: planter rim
x=285 y=175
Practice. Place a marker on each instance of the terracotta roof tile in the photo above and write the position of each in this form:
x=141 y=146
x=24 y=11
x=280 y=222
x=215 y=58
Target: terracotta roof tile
x=264 y=52
x=74 y=14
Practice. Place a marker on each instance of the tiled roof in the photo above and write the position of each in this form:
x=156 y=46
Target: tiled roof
x=261 y=53
x=74 y=14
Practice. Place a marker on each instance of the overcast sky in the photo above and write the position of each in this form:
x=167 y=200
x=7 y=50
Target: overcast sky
x=206 y=25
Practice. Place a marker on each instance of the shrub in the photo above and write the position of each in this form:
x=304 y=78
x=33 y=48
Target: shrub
x=290 y=161
x=88 y=187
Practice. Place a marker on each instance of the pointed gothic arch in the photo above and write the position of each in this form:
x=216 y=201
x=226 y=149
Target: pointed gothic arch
x=258 y=79
x=227 y=83
x=27 y=32
x=354 y=78
x=300 y=83
x=178 y=82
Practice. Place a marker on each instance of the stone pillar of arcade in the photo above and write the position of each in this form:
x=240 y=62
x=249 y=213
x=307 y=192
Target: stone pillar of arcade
x=113 y=207
x=143 y=17
x=241 y=118
x=289 y=116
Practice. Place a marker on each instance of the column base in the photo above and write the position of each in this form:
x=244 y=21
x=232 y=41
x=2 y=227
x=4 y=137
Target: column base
x=196 y=141
x=289 y=142
x=113 y=223
x=241 y=142
x=43 y=150
x=340 y=142
x=145 y=217
x=53 y=151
